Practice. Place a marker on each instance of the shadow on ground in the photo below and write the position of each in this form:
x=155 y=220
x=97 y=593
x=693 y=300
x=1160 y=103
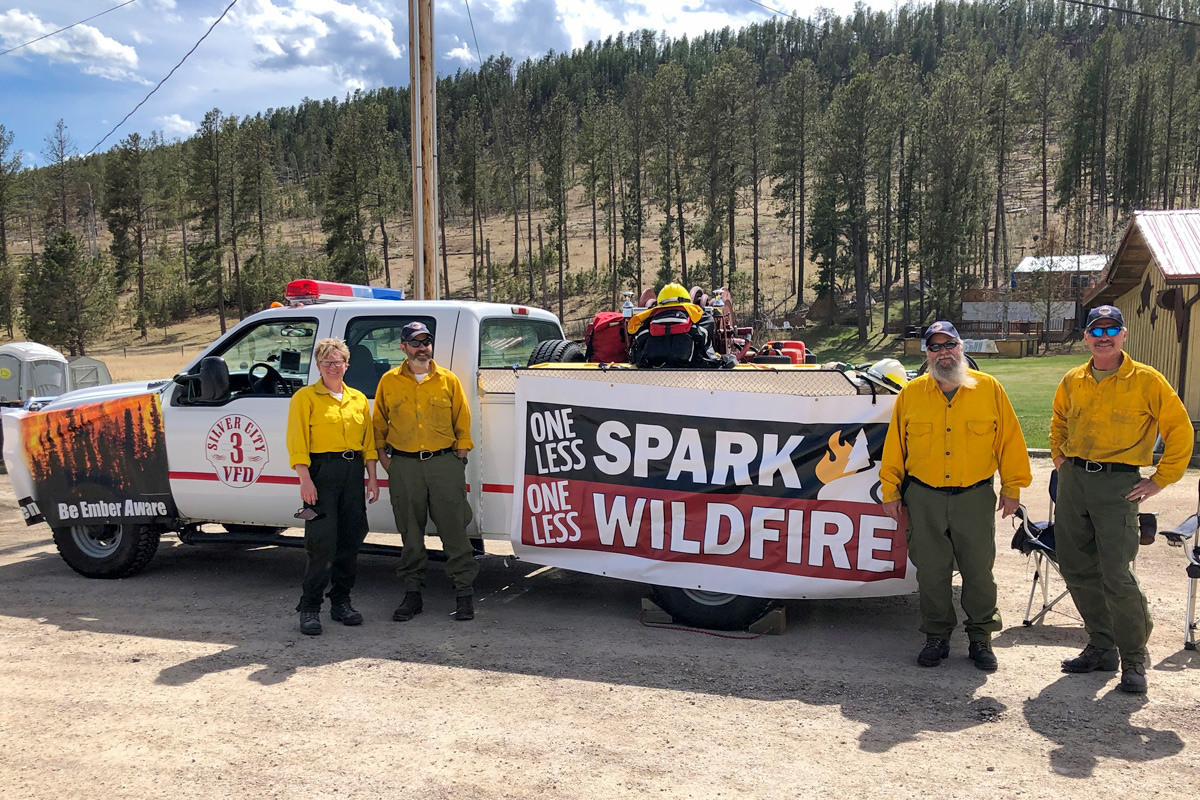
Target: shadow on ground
x=856 y=655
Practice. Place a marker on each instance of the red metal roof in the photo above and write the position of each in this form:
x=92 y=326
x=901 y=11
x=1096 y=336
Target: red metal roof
x=1173 y=238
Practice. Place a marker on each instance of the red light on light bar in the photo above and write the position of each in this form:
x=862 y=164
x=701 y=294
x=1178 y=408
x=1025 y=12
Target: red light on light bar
x=307 y=289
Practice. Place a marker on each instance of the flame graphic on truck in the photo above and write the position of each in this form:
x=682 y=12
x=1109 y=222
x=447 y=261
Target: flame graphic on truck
x=111 y=451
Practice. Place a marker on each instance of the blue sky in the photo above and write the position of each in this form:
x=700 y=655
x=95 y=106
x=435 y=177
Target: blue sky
x=273 y=53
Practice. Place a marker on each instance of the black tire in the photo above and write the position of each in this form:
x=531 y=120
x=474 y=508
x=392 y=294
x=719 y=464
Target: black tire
x=557 y=351
x=265 y=530
x=715 y=610
x=107 y=551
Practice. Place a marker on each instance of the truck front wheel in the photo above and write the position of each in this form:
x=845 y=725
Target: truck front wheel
x=107 y=551
x=715 y=610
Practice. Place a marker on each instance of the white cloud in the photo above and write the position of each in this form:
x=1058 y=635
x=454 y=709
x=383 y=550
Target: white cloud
x=595 y=20
x=175 y=125
x=355 y=41
x=83 y=46
x=462 y=53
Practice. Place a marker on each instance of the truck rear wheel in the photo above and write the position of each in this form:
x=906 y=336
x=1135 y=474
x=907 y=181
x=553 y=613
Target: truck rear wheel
x=557 y=351
x=107 y=551
x=716 y=610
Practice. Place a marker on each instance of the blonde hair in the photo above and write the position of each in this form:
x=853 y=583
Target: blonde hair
x=326 y=347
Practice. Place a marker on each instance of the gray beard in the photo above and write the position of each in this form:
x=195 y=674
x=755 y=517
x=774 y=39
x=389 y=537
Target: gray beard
x=954 y=376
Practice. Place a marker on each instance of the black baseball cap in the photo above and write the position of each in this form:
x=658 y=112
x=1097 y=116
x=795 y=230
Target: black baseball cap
x=1105 y=312
x=414 y=329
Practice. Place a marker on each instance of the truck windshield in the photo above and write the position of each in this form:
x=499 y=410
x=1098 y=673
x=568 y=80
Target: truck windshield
x=505 y=341
x=286 y=345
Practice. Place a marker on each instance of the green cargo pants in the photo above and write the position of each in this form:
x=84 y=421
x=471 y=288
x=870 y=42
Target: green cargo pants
x=434 y=488
x=1096 y=538
x=948 y=528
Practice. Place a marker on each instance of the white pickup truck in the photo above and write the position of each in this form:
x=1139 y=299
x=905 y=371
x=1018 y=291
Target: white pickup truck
x=113 y=468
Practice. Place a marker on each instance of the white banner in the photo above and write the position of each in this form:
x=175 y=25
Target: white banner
x=768 y=495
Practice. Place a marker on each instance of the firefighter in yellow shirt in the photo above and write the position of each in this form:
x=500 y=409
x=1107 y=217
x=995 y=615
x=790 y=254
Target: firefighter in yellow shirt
x=330 y=442
x=1106 y=415
x=951 y=431
x=423 y=431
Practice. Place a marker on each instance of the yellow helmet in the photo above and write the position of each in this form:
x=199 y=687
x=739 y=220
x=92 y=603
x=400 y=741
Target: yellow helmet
x=673 y=293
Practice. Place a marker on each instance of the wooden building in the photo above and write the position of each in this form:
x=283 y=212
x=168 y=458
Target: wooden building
x=1154 y=278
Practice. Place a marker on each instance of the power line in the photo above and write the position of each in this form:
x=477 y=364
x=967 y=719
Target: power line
x=1134 y=13
x=776 y=11
x=487 y=92
x=164 y=80
x=67 y=28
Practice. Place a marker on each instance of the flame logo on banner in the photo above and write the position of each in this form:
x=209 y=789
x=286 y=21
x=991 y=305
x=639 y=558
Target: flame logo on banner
x=847 y=471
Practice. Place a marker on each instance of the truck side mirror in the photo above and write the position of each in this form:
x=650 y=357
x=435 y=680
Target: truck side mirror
x=214 y=380
x=209 y=384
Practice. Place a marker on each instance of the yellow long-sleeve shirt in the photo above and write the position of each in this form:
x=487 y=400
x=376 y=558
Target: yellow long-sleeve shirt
x=958 y=442
x=320 y=423
x=1116 y=419
x=430 y=415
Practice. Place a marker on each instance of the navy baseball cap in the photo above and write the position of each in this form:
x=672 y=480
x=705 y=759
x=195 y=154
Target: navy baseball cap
x=941 y=326
x=1105 y=312
x=412 y=330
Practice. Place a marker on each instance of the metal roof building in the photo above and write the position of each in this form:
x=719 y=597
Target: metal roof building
x=1079 y=263
x=1154 y=278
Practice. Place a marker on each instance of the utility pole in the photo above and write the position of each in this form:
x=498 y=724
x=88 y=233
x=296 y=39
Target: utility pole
x=423 y=111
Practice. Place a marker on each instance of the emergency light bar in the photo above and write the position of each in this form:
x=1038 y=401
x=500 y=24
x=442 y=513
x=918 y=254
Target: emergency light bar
x=310 y=291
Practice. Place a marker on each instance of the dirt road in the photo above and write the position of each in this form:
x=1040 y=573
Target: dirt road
x=192 y=681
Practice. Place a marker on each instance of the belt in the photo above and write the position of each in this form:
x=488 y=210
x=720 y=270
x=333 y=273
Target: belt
x=1103 y=466
x=950 y=489
x=423 y=455
x=345 y=455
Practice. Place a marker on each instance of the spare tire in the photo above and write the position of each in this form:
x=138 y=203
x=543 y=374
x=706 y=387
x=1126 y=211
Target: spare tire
x=714 y=610
x=557 y=351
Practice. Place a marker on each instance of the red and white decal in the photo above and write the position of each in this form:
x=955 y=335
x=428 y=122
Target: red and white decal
x=236 y=447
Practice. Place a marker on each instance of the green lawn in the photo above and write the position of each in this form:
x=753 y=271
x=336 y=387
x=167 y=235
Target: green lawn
x=1030 y=382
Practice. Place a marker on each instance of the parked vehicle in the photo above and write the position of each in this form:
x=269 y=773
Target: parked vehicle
x=111 y=469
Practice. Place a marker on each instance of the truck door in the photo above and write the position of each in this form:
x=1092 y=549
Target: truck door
x=374 y=342
x=227 y=456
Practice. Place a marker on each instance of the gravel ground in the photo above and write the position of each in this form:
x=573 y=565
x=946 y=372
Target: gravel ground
x=191 y=680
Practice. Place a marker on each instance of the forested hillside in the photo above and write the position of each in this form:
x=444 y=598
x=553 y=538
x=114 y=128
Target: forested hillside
x=899 y=158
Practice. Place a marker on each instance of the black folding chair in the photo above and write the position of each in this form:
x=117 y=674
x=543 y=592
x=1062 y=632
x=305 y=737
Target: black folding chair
x=1178 y=537
x=1036 y=539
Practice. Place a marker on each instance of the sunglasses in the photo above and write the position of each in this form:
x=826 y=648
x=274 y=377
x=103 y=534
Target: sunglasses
x=421 y=342
x=332 y=364
x=1111 y=330
x=308 y=514
x=933 y=348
